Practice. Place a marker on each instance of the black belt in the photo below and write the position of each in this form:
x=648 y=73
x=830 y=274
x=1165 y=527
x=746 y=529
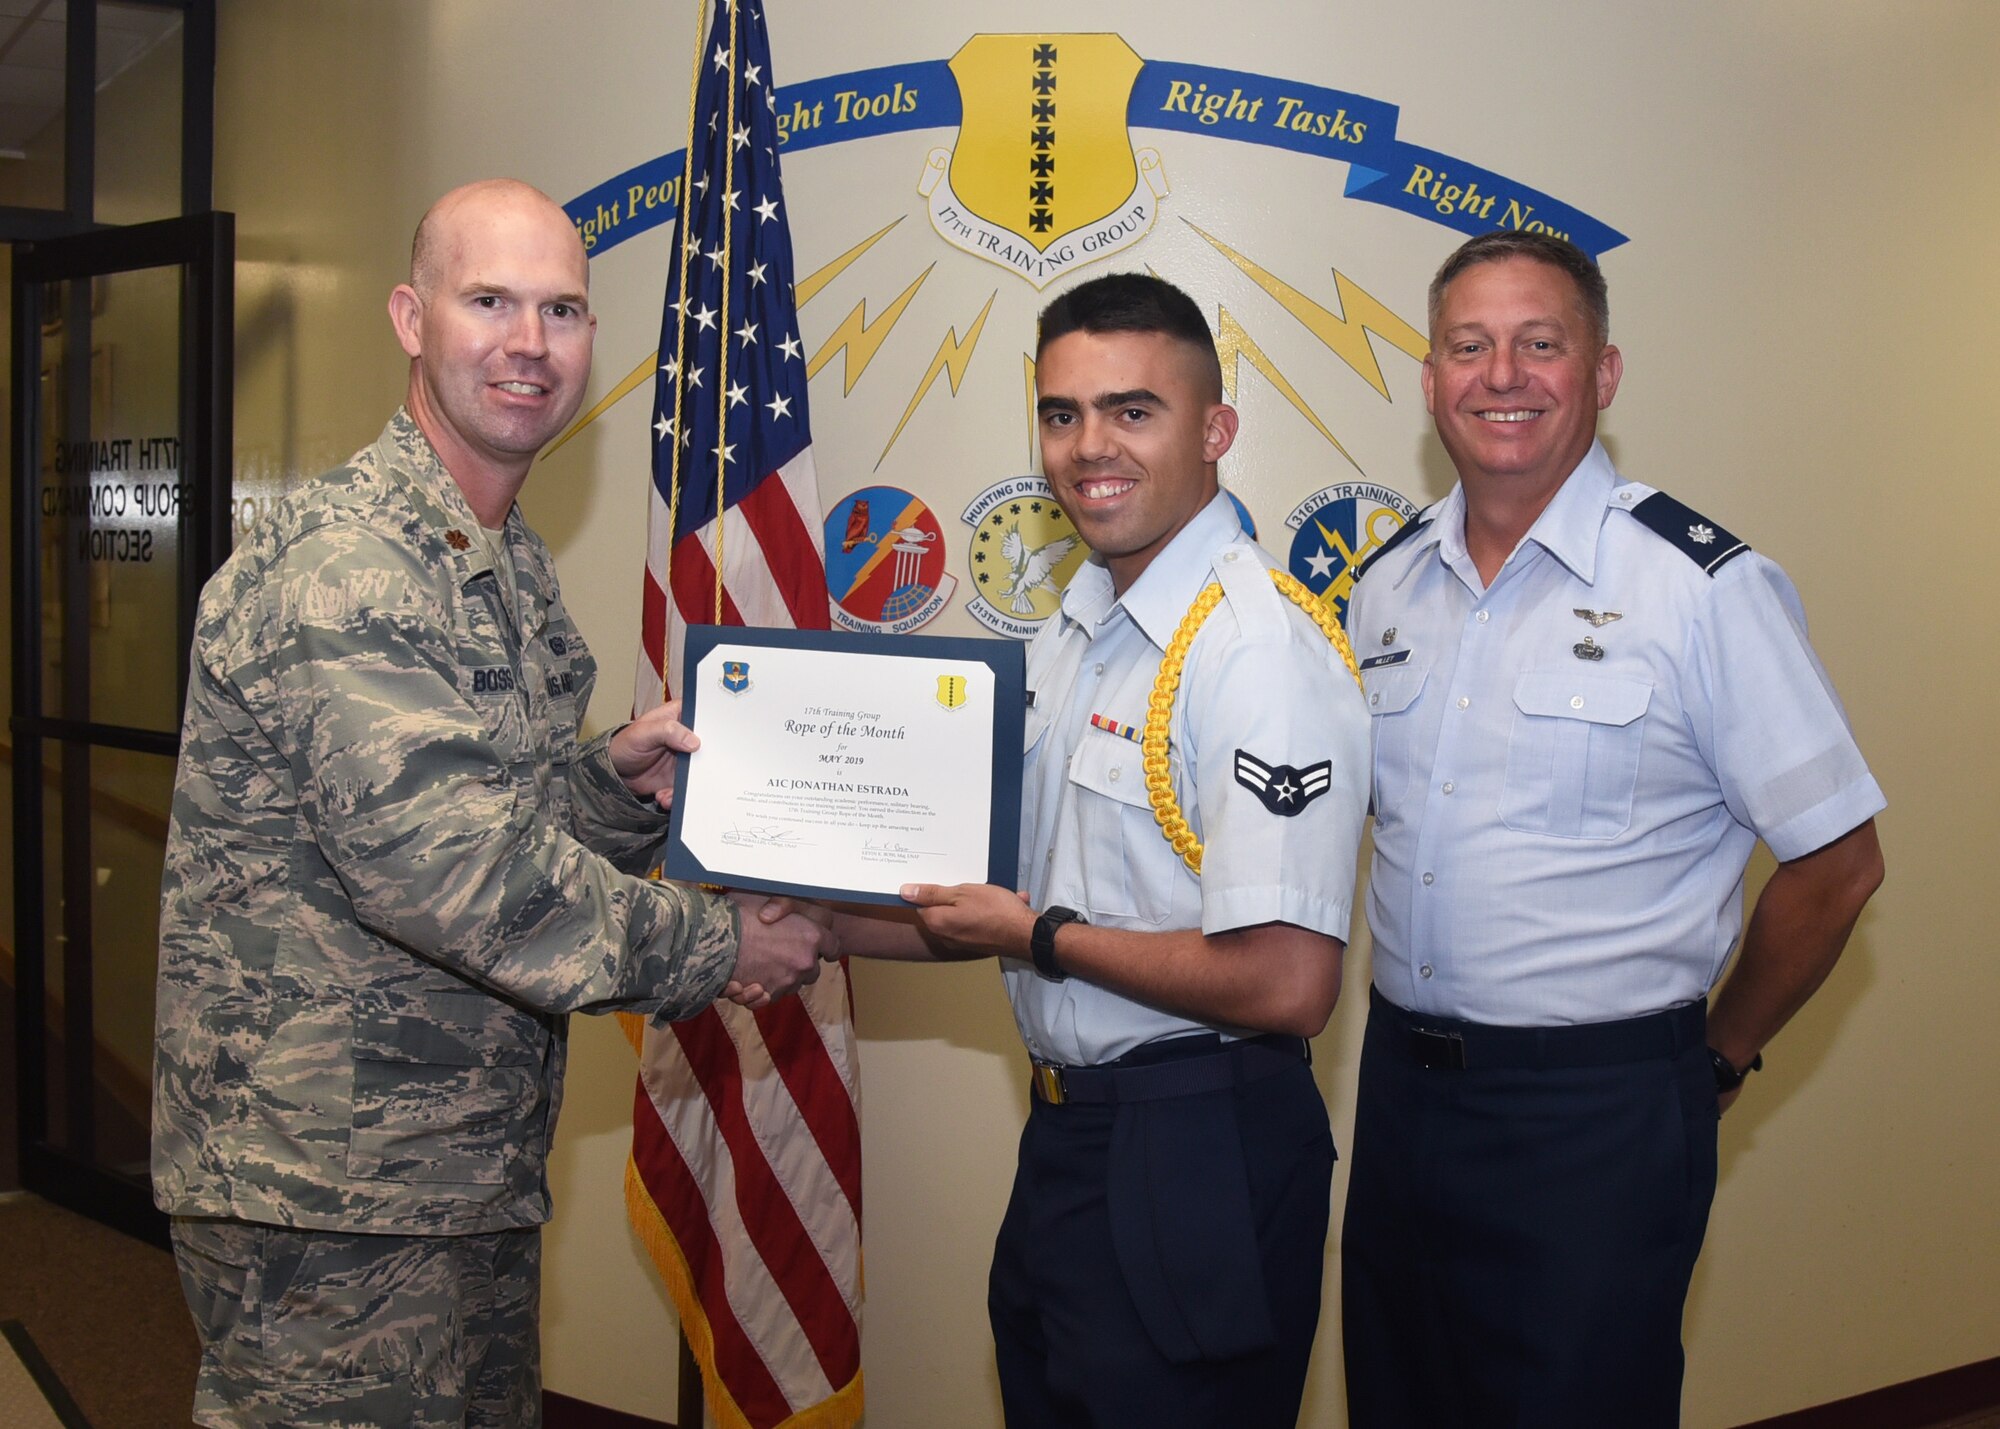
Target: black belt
x=1448 y=1043
x=1204 y=1064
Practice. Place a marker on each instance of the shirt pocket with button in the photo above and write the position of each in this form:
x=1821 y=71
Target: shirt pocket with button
x=446 y=1086
x=1573 y=753
x=1128 y=866
x=1392 y=692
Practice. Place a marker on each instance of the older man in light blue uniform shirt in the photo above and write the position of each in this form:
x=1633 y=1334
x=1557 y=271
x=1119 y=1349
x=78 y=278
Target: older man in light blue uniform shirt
x=1589 y=703
x=1530 y=866
x=1160 y=1259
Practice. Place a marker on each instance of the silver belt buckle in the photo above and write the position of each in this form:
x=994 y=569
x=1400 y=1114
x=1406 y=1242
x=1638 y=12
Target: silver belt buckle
x=1049 y=1083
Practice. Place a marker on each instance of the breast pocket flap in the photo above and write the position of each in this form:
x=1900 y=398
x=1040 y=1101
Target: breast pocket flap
x=1108 y=765
x=1393 y=689
x=1594 y=698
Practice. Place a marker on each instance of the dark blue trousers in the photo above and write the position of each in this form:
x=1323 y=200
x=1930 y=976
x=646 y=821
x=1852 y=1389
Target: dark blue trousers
x=1159 y=1264
x=1519 y=1235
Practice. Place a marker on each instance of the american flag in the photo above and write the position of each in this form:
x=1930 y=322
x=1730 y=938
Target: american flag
x=745 y=1178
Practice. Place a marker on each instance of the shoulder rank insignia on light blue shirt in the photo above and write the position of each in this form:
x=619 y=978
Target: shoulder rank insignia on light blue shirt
x=1694 y=536
x=1283 y=789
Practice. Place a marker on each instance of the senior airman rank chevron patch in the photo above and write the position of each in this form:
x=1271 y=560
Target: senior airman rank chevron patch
x=1283 y=789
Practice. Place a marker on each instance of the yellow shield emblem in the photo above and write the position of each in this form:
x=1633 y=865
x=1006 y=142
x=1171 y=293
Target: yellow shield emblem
x=951 y=691
x=1043 y=177
x=1042 y=147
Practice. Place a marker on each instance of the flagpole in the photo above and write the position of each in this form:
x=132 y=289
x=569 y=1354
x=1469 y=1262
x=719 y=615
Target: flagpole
x=680 y=340
x=690 y=1409
x=722 y=347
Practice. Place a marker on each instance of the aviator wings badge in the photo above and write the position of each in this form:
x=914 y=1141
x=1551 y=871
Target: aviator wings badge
x=1598 y=617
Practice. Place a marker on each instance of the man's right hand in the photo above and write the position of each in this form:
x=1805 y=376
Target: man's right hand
x=776 y=956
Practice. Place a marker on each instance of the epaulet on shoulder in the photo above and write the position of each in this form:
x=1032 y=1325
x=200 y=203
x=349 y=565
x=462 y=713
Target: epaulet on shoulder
x=1687 y=531
x=1402 y=533
x=1246 y=584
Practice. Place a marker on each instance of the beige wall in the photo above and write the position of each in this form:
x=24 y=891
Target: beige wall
x=1810 y=193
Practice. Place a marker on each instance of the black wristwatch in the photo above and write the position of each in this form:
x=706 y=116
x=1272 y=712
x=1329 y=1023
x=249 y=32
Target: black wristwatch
x=1727 y=1077
x=1042 y=942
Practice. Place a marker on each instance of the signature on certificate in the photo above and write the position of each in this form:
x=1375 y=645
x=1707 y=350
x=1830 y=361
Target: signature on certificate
x=892 y=851
x=763 y=836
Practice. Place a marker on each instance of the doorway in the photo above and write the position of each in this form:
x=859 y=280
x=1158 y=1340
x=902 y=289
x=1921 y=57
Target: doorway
x=121 y=351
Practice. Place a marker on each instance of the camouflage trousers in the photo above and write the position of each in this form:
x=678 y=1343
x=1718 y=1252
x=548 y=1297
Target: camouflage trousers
x=324 y=1328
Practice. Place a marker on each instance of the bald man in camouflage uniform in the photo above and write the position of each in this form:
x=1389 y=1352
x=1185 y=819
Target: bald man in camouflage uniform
x=393 y=869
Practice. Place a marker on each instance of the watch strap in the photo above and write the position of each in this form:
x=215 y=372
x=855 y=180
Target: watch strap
x=1728 y=1077
x=1042 y=941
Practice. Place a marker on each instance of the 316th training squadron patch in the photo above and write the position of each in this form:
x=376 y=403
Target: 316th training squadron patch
x=1335 y=530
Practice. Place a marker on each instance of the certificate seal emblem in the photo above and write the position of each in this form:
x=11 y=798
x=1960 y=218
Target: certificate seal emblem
x=1023 y=552
x=885 y=562
x=1336 y=529
x=736 y=676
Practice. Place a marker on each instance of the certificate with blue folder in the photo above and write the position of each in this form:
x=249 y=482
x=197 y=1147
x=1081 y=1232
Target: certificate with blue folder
x=842 y=766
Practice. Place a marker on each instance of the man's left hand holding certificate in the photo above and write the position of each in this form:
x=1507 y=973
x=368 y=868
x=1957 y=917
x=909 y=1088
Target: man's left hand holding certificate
x=842 y=767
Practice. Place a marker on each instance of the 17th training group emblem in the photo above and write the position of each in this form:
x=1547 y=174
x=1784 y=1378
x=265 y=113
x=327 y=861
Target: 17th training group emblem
x=1043 y=176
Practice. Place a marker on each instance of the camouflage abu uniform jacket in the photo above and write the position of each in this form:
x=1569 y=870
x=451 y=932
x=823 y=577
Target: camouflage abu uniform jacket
x=391 y=871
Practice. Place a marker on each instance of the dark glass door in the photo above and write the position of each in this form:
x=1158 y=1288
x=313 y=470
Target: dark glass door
x=121 y=485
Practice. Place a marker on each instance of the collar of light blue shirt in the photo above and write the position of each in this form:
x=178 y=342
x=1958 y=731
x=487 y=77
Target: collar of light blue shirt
x=1159 y=599
x=1567 y=529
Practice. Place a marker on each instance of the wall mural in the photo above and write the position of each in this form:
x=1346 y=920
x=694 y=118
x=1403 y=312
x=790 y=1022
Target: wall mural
x=1041 y=177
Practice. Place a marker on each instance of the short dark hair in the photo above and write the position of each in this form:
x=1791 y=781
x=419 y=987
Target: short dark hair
x=1558 y=253
x=1131 y=302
